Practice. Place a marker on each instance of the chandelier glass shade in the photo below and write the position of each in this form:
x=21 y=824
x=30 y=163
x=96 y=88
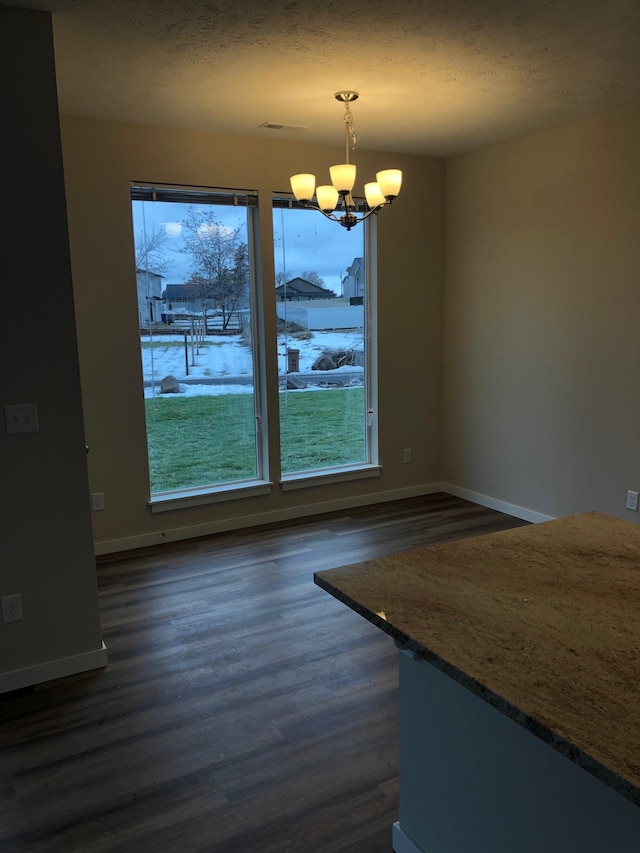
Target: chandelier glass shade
x=334 y=200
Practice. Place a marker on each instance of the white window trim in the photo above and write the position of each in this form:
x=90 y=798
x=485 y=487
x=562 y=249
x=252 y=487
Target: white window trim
x=165 y=501
x=371 y=468
x=307 y=479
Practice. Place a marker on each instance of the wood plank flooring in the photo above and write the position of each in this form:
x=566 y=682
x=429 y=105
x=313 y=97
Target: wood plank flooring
x=243 y=710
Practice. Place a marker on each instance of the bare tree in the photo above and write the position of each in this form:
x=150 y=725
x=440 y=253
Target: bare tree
x=151 y=255
x=308 y=275
x=197 y=293
x=312 y=277
x=219 y=262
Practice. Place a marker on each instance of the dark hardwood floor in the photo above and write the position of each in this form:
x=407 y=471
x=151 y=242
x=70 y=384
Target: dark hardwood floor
x=243 y=709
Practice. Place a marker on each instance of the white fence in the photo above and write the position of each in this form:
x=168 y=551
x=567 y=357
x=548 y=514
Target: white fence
x=338 y=317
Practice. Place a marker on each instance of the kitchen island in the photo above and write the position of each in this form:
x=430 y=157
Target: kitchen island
x=519 y=668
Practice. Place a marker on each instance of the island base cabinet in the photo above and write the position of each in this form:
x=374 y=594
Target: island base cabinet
x=474 y=781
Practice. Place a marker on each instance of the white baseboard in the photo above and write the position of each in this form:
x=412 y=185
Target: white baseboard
x=144 y=540
x=401 y=843
x=492 y=503
x=52 y=669
x=176 y=534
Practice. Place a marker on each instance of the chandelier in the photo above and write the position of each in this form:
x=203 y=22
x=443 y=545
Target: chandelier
x=334 y=200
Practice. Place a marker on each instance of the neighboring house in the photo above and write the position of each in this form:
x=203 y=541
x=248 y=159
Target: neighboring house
x=300 y=289
x=149 y=296
x=179 y=299
x=188 y=299
x=182 y=301
x=353 y=282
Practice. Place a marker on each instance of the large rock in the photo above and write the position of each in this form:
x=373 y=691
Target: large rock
x=324 y=362
x=169 y=385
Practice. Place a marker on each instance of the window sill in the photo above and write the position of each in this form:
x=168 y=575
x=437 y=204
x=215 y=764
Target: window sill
x=165 y=501
x=319 y=478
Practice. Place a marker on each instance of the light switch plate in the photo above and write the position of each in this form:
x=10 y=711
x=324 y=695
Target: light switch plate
x=21 y=417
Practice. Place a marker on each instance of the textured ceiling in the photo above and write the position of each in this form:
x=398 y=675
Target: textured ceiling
x=435 y=76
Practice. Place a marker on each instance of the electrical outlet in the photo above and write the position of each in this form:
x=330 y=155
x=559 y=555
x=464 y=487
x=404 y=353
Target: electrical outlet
x=12 y=608
x=406 y=455
x=97 y=501
x=632 y=500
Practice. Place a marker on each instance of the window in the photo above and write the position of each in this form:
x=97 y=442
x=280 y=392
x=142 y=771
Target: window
x=324 y=308
x=202 y=372
x=196 y=274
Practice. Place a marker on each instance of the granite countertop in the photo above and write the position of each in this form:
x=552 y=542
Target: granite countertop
x=543 y=622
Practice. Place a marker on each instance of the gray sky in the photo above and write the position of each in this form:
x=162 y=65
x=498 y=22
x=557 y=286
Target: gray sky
x=304 y=240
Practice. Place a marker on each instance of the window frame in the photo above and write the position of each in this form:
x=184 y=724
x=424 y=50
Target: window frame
x=164 y=500
x=371 y=467
x=262 y=484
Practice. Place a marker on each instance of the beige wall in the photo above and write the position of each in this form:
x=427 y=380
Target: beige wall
x=101 y=159
x=46 y=549
x=542 y=318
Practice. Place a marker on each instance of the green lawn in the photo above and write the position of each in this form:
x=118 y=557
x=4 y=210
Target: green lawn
x=199 y=441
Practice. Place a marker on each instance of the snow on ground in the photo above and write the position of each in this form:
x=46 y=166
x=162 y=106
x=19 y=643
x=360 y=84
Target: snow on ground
x=223 y=357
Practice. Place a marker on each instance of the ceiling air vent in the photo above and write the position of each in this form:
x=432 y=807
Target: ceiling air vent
x=276 y=125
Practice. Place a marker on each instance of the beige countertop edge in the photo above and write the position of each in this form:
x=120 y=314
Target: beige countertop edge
x=618 y=783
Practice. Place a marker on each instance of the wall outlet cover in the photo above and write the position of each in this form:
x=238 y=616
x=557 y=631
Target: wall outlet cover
x=12 y=608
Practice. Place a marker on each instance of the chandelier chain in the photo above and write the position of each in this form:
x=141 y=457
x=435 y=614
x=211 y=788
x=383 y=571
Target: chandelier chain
x=350 y=132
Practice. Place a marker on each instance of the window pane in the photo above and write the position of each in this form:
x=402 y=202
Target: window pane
x=321 y=305
x=194 y=274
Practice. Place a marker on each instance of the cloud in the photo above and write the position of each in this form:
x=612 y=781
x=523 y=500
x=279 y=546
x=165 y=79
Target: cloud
x=172 y=229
